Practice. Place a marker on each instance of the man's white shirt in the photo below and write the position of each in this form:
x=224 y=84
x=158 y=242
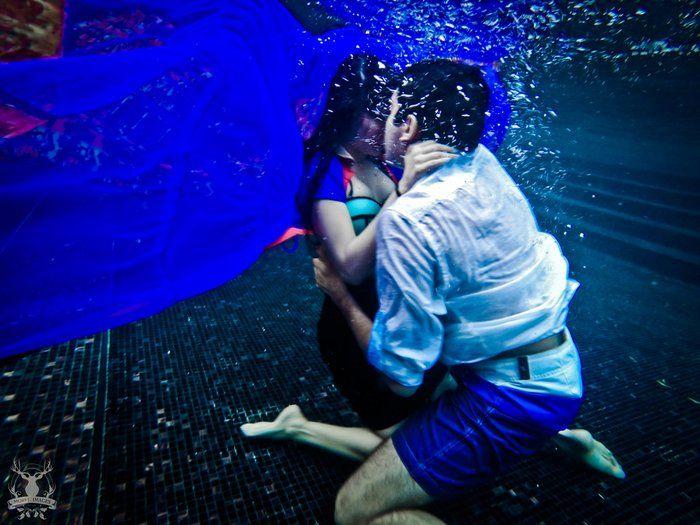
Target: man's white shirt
x=463 y=274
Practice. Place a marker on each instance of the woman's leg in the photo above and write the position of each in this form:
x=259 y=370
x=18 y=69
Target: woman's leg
x=358 y=443
x=352 y=374
x=351 y=442
x=580 y=445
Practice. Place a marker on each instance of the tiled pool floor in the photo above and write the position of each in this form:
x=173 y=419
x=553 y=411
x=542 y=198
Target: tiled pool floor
x=142 y=422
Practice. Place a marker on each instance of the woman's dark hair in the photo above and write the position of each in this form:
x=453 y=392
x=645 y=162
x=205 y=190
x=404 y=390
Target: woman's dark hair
x=361 y=85
x=449 y=99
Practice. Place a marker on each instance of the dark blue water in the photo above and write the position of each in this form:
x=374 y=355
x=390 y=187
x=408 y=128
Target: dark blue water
x=142 y=420
x=603 y=133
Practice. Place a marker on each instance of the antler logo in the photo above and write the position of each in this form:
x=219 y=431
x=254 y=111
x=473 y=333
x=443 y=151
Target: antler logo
x=32 y=488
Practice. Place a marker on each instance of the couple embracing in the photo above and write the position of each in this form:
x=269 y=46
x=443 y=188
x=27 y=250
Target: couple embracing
x=444 y=321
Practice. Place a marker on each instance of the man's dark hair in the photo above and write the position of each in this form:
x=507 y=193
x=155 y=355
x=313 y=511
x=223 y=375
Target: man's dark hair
x=449 y=99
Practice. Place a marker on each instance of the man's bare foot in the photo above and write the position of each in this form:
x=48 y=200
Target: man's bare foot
x=287 y=422
x=579 y=445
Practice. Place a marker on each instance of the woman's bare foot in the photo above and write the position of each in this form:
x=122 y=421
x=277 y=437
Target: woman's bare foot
x=580 y=445
x=287 y=422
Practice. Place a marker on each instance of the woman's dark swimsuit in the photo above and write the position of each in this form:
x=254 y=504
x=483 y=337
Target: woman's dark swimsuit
x=363 y=386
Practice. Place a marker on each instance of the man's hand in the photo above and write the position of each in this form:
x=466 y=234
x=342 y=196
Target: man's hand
x=327 y=278
x=421 y=158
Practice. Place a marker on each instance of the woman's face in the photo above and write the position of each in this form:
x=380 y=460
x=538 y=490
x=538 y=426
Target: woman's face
x=369 y=139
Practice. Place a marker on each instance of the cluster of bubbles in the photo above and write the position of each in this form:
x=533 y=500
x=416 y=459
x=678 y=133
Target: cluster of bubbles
x=534 y=43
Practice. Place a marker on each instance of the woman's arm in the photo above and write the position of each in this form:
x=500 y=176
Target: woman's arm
x=353 y=255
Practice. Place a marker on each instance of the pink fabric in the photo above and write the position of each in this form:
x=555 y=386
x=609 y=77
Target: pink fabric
x=14 y=122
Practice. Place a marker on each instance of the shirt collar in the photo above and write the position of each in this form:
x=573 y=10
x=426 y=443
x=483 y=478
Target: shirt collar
x=462 y=162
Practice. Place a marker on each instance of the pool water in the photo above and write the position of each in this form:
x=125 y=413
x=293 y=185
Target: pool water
x=143 y=420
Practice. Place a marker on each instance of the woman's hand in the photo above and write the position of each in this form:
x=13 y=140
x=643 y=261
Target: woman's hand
x=422 y=157
x=327 y=279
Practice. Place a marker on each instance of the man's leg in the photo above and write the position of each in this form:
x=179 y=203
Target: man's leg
x=382 y=491
x=407 y=517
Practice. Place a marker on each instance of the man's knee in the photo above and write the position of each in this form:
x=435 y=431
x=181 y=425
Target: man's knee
x=348 y=511
x=382 y=484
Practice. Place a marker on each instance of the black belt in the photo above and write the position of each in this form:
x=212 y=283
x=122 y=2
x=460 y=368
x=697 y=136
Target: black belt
x=521 y=353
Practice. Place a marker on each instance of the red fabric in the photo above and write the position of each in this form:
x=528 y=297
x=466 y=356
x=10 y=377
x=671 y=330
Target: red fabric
x=288 y=234
x=14 y=122
x=348 y=174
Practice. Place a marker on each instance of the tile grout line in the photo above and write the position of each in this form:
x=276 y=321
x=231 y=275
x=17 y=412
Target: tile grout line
x=92 y=497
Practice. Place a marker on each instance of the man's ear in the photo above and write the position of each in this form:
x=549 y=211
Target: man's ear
x=409 y=129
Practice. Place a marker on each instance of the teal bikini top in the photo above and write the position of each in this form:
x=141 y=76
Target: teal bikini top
x=362 y=210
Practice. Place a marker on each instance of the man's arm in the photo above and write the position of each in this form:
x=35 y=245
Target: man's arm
x=361 y=325
x=407 y=333
x=331 y=283
x=359 y=322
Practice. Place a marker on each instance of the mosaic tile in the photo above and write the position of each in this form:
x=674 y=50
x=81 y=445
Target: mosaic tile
x=142 y=422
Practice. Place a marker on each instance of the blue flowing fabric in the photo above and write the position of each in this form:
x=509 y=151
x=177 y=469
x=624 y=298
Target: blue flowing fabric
x=167 y=157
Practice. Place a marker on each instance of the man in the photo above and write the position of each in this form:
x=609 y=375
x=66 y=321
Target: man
x=465 y=278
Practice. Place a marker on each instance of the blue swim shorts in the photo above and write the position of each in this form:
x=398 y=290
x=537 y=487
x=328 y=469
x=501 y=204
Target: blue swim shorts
x=470 y=435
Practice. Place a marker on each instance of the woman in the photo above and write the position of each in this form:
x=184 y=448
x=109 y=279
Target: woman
x=348 y=188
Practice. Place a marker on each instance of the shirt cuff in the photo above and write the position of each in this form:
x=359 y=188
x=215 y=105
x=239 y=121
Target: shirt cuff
x=388 y=363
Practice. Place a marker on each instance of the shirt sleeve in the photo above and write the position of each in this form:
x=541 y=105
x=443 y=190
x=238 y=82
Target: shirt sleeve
x=331 y=185
x=407 y=333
